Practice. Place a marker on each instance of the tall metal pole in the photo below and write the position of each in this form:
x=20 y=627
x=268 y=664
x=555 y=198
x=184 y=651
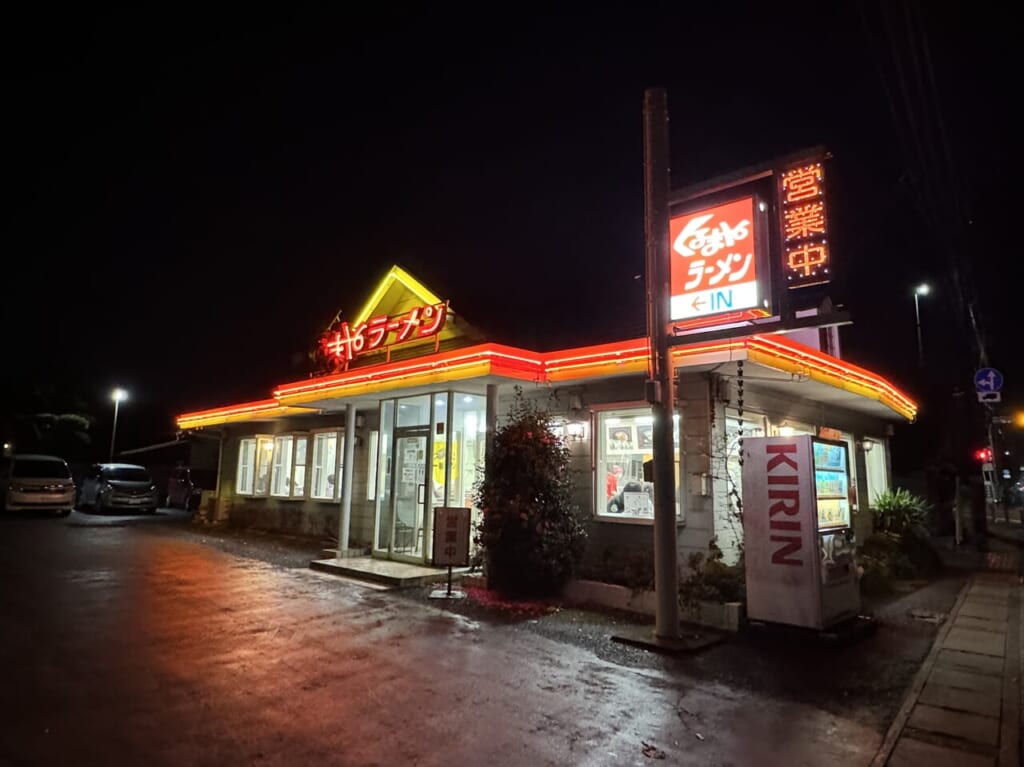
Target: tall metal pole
x=113 y=431
x=917 y=317
x=656 y=189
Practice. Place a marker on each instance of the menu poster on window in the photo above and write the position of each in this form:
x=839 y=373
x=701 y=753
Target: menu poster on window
x=645 y=436
x=621 y=438
x=636 y=504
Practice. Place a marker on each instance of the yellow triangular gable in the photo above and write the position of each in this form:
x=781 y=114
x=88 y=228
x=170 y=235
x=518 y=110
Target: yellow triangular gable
x=398 y=293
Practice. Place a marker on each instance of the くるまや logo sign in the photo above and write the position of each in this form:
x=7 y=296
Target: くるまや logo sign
x=713 y=260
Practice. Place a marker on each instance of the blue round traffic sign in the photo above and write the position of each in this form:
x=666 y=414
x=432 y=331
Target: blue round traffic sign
x=988 y=379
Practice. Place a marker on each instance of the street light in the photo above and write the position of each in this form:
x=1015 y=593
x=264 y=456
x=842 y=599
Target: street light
x=920 y=290
x=117 y=395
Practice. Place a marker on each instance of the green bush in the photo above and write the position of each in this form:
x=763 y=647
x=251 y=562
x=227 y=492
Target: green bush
x=531 y=534
x=901 y=520
x=899 y=512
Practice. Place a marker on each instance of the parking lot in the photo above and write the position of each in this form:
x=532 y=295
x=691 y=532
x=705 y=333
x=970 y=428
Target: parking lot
x=144 y=640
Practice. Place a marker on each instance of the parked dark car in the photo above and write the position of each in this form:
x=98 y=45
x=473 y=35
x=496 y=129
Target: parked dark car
x=118 y=486
x=186 y=484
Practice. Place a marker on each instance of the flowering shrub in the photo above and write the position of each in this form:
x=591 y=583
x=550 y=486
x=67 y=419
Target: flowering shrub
x=531 y=533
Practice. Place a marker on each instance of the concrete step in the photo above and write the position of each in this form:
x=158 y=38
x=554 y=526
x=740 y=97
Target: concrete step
x=384 y=571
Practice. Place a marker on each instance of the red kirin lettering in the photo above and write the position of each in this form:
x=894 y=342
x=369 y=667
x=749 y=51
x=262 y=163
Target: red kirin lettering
x=784 y=502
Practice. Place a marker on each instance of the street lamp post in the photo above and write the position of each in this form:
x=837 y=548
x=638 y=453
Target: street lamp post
x=920 y=290
x=117 y=395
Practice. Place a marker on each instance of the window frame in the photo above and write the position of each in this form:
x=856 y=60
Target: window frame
x=293 y=493
x=372 y=465
x=299 y=493
x=258 y=464
x=255 y=440
x=339 y=463
x=597 y=411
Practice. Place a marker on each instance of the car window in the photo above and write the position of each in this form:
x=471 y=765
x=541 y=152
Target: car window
x=40 y=468
x=128 y=474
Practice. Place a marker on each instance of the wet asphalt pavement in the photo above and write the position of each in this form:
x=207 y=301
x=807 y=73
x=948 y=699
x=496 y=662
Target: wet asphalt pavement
x=129 y=640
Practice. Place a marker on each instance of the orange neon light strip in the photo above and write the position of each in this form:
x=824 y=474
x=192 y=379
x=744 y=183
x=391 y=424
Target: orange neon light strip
x=242 y=412
x=392 y=371
x=571 y=364
x=828 y=367
x=246 y=407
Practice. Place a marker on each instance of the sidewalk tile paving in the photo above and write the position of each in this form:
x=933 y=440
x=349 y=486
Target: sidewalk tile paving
x=912 y=752
x=963 y=709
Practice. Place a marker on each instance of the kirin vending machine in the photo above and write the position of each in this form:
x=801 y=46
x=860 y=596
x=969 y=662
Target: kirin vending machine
x=798 y=539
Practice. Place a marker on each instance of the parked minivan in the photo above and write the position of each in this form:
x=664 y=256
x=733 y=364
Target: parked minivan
x=36 y=482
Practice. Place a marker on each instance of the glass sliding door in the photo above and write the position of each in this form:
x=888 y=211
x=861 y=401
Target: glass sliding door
x=409 y=492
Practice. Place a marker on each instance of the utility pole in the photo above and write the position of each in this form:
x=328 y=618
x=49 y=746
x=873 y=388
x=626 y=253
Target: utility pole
x=659 y=387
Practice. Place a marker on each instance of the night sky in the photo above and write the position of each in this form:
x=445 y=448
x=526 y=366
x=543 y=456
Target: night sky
x=191 y=198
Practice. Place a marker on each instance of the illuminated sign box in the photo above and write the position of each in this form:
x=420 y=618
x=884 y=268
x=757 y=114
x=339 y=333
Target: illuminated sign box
x=742 y=246
x=715 y=254
x=805 y=254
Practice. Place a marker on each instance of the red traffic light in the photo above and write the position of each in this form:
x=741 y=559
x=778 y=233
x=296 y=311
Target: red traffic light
x=983 y=454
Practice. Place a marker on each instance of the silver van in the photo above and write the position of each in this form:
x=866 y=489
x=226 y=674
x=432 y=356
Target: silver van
x=36 y=482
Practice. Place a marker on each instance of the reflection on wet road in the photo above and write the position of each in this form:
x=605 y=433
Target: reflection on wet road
x=121 y=646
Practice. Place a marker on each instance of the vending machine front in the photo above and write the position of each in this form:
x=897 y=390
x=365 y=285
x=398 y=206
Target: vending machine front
x=798 y=543
x=840 y=593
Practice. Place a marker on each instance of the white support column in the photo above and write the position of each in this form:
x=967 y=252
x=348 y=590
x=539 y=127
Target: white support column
x=346 y=479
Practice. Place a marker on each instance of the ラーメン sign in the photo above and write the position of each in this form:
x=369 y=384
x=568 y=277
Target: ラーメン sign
x=714 y=258
x=345 y=343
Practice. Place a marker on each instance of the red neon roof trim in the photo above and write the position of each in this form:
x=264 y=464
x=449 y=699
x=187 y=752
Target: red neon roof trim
x=515 y=362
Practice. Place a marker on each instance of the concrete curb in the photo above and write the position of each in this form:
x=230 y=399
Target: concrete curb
x=892 y=736
x=1009 y=727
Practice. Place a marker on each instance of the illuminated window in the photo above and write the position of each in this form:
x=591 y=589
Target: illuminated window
x=876 y=464
x=246 y=463
x=288 y=476
x=299 y=472
x=326 y=472
x=371 y=466
x=624 y=442
x=753 y=425
x=789 y=427
x=264 y=456
x=281 y=474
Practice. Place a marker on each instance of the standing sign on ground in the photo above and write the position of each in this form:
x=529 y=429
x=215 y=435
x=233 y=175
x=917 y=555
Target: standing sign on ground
x=451 y=537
